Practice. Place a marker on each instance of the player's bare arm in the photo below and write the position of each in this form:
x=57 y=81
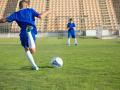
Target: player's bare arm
x=44 y=14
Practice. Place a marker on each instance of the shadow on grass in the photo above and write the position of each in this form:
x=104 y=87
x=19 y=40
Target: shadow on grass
x=27 y=68
x=30 y=68
x=46 y=67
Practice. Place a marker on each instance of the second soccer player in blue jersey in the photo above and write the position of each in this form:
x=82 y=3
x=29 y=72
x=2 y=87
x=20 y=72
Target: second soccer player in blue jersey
x=71 y=32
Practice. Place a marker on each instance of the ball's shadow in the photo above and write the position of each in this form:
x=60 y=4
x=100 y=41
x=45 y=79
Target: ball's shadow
x=46 y=67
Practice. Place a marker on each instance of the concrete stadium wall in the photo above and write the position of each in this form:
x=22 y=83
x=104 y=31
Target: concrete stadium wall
x=91 y=33
x=87 y=33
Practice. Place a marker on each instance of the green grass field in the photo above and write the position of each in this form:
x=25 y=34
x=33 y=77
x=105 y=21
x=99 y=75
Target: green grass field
x=92 y=65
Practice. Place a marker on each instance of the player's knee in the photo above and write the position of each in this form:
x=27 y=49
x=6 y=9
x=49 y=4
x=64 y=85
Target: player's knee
x=32 y=51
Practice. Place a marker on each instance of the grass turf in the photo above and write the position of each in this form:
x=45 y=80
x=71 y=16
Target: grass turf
x=92 y=65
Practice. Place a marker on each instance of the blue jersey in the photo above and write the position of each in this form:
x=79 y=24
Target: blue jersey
x=70 y=26
x=23 y=18
x=71 y=31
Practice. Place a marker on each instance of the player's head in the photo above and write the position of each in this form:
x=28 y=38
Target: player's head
x=24 y=4
x=70 y=20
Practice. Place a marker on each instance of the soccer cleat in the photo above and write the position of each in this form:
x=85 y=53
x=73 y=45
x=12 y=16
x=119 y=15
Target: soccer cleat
x=35 y=68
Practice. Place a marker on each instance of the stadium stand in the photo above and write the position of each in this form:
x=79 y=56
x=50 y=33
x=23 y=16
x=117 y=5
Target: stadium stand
x=116 y=5
x=7 y=7
x=87 y=14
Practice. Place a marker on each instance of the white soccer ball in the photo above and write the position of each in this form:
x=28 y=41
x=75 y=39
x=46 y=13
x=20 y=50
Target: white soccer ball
x=57 y=62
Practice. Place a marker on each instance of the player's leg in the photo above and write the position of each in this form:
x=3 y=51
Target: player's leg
x=31 y=44
x=75 y=41
x=32 y=50
x=69 y=35
x=31 y=59
x=74 y=36
x=25 y=44
x=31 y=41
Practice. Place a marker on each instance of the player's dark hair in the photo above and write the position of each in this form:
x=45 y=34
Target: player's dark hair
x=70 y=19
x=21 y=3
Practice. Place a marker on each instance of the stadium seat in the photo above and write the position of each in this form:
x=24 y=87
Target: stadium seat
x=86 y=13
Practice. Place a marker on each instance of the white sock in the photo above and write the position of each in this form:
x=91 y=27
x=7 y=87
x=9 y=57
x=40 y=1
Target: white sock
x=76 y=41
x=68 y=41
x=30 y=58
x=30 y=40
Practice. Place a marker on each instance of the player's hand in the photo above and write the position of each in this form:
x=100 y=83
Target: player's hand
x=48 y=12
x=45 y=14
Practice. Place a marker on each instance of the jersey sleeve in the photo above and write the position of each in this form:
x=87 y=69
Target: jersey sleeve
x=36 y=14
x=74 y=25
x=11 y=17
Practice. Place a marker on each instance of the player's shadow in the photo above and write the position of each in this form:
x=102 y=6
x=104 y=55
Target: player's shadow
x=41 y=67
x=27 y=68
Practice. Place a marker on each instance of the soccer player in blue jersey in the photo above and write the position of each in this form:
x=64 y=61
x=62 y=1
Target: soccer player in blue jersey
x=25 y=19
x=71 y=32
